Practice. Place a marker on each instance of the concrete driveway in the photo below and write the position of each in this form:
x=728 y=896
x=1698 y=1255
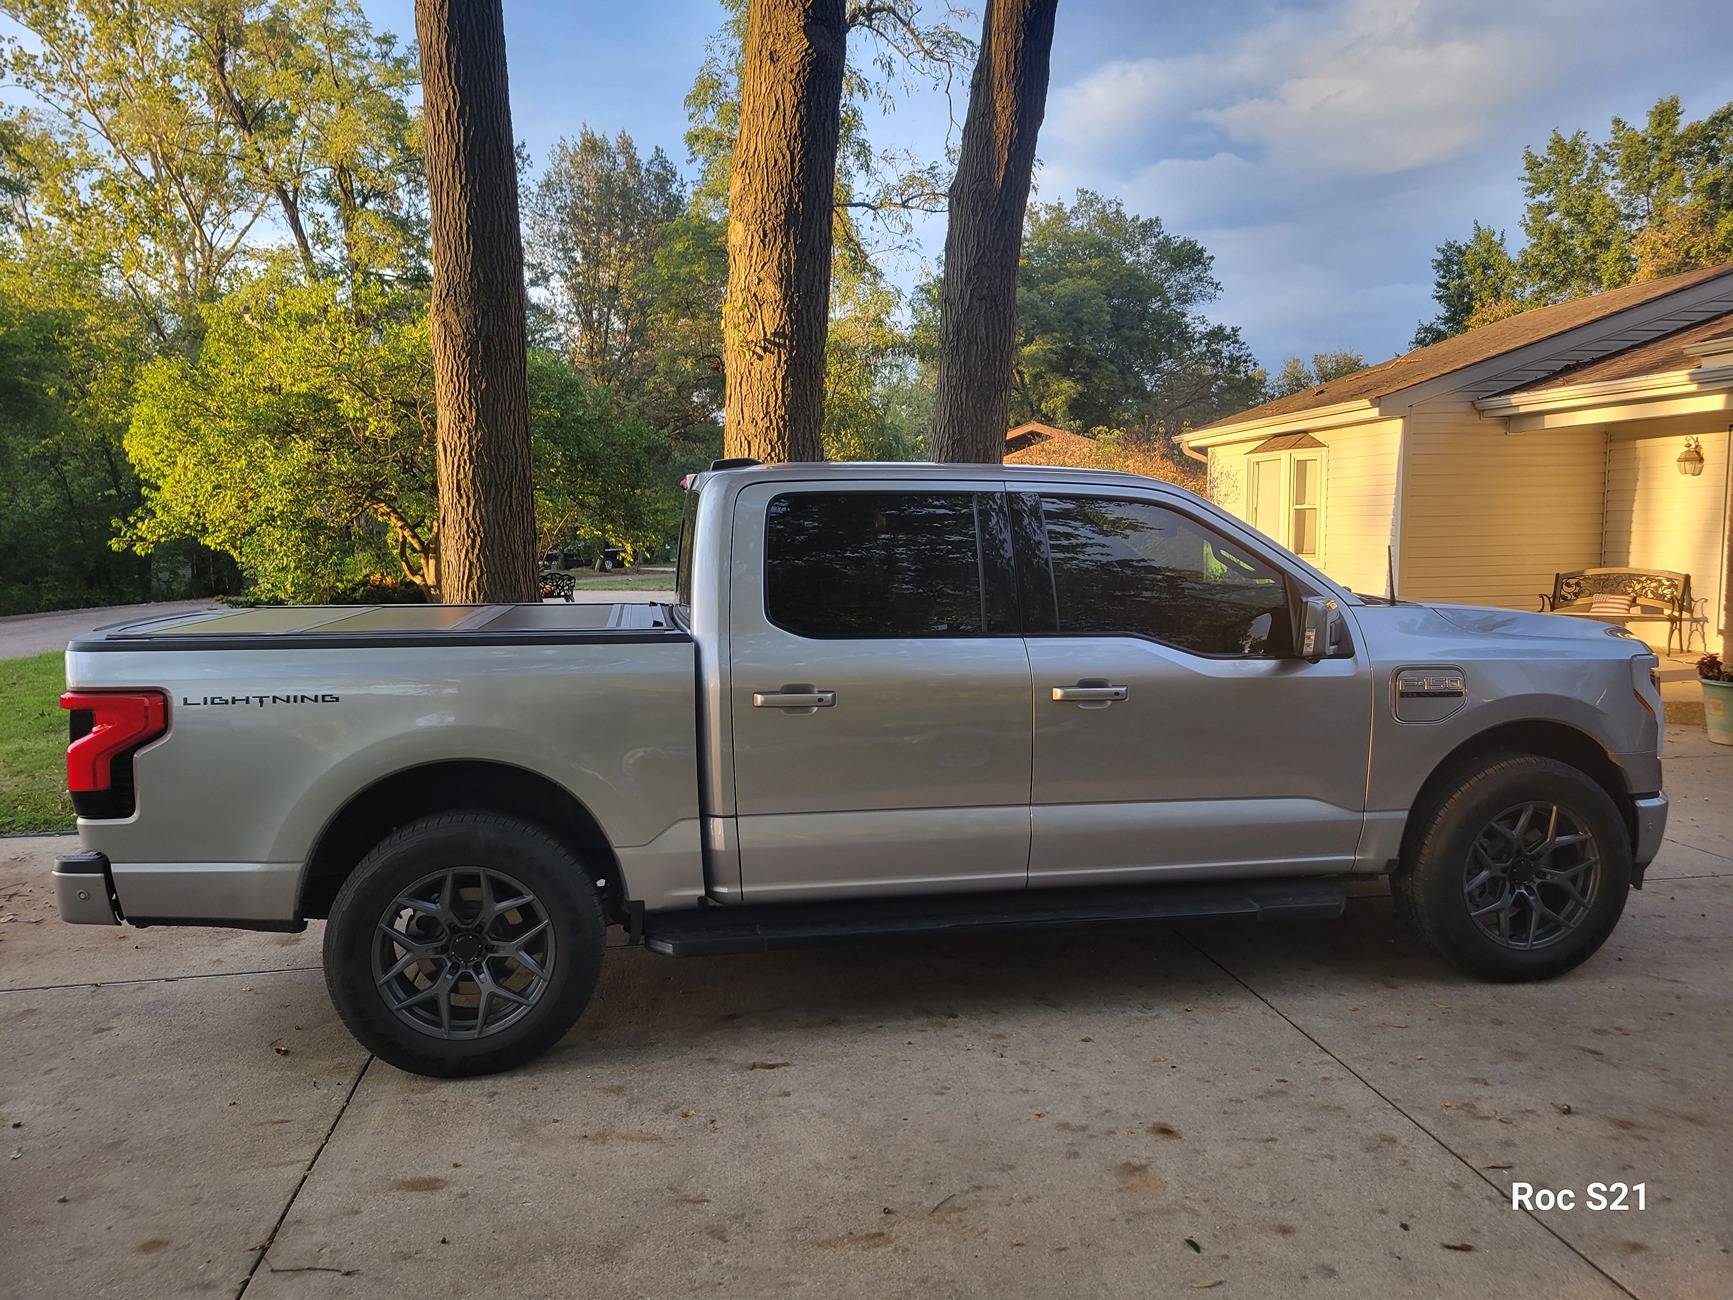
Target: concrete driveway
x=1305 y=1110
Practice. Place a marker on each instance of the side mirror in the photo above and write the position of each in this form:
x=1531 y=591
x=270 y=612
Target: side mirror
x=1312 y=627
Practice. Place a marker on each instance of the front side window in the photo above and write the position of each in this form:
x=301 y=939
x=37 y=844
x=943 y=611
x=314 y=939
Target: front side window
x=1135 y=568
x=873 y=564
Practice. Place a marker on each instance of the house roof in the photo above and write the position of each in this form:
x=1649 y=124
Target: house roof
x=1656 y=357
x=1045 y=444
x=1471 y=348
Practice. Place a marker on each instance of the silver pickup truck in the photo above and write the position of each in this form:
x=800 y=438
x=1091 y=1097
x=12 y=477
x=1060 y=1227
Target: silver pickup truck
x=886 y=700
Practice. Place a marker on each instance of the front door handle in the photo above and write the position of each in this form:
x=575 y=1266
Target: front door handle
x=802 y=697
x=1092 y=694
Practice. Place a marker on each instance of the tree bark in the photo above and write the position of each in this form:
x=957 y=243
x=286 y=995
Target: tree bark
x=480 y=377
x=777 y=309
x=978 y=298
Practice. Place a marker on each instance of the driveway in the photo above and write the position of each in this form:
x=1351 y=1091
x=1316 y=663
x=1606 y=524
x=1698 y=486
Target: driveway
x=1318 y=1109
x=34 y=634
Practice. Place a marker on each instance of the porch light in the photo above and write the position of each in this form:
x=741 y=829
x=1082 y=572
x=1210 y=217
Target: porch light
x=1691 y=459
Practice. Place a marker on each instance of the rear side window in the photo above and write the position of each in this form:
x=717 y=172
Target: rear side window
x=857 y=565
x=1140 y=569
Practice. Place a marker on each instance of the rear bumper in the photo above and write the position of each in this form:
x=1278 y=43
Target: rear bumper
x=1650 y=812
x=84 y=889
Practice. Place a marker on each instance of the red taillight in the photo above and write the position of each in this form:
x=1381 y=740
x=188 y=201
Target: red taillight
x=118 y=721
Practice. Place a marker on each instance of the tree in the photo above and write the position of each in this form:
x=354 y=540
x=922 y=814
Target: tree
x=1296 y=376
x=780 y=195
x=988 y=199
x=595 y=222
x=169 y=133
x=486 y=500
x=1111 y=332
x=877 y=194
x=1648 y=201
x=1469 y=277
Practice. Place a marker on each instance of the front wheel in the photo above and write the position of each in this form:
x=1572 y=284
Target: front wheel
x=1518 y=872
x=464 y=943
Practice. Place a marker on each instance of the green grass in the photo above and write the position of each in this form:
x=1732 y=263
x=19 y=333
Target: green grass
x=33 y=745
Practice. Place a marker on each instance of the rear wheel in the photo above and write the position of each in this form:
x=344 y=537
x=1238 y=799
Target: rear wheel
x=464 y=943
x=1518 y=871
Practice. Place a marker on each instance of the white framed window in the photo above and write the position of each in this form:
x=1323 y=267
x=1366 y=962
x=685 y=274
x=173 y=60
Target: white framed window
x=1285 y=498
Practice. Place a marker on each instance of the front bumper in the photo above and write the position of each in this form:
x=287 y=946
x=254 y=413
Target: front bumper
x=1650 y=812
x=84 y=889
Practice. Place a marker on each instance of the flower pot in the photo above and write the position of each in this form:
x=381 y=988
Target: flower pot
x=1718 y=710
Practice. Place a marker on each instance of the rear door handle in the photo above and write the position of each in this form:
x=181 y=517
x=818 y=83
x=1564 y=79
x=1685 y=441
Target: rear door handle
x=1090 y=694
x=791 y=699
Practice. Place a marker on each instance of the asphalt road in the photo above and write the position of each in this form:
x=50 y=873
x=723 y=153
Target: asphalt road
x=1304 y=1110
x=34 y=634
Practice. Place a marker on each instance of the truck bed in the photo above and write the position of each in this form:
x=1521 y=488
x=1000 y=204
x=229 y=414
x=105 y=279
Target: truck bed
x=300 y=627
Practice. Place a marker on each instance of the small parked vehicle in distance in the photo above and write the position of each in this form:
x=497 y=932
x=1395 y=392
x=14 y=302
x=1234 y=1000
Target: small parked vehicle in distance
x=884 y=700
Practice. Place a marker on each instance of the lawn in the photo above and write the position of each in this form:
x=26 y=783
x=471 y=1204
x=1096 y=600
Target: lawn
x=33 y=745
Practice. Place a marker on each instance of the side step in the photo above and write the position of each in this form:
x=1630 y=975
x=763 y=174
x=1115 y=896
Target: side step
x=706 y=931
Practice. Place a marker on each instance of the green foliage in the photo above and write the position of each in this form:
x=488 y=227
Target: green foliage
x=1467 y=277
x=1647 y=201
x=298 y=438
x=176 y=134
x=1110 y=326
x=1296 y=375
x=65 y=378
x=33 y=746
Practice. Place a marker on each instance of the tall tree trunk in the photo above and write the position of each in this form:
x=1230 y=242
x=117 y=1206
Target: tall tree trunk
x=780 y=206
x=487 y=531
x=978 y=299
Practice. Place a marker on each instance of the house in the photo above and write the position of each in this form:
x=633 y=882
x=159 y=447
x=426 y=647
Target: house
x=1475 y=469
x=1044 y=444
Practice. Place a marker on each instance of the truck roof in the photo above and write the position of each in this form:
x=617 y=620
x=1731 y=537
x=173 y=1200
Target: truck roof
x=921 y=469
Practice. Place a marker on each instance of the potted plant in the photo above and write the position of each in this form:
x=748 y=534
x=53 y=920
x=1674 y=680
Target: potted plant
x=1717 y=681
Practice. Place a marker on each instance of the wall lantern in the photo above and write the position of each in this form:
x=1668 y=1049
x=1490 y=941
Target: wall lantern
x=1691 y=459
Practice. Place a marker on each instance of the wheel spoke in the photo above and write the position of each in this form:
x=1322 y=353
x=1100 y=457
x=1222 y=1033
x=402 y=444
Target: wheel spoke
x=402 y=964
x=461 y=993
x=420 y=947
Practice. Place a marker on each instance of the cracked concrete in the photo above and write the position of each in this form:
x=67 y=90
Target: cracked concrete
x=1297 y=1110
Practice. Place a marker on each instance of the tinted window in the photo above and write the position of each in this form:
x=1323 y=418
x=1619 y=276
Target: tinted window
x=683 y=561
x=1139 y=568
x=873 y=564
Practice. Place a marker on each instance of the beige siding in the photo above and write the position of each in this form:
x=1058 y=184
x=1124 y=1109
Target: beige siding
x=1359 y=497
x=1488 y=517
x=1360 y=504
x=1657 y=518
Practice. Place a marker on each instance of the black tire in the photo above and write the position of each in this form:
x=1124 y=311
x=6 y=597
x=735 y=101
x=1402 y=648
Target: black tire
x=1432 y=887
x=457 y=845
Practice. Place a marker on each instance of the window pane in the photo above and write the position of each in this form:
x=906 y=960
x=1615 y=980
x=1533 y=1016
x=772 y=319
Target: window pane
x=1133 y=567
x=1266 y=489
x=873 y=564
x=1305 y=531
x=1305 y=482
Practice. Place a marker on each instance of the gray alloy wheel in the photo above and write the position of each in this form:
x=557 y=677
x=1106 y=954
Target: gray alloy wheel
x=1532 y=876
x=463 y=953
x=464 y=943
x=1515 y=866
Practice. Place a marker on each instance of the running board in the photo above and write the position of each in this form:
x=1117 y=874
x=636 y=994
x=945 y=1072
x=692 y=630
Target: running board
x=707 y=931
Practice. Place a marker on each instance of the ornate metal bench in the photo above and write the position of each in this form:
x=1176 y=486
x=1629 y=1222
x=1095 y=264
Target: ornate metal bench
x=555 y=583
x=1653 y=595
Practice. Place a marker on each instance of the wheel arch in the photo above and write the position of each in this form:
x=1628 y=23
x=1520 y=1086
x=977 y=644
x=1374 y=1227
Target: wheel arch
x=1543 y=737
x=480 y=785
